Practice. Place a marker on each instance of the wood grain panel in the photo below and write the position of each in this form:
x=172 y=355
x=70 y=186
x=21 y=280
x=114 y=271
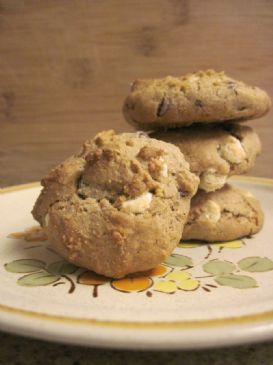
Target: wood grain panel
x=66 y=66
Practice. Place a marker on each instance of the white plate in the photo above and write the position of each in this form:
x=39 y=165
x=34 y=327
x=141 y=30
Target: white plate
x=48 y=299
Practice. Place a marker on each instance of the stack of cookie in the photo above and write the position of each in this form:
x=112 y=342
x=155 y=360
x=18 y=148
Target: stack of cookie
x=200 y=113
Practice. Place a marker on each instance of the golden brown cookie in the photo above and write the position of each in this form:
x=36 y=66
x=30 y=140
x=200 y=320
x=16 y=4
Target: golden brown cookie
x=120 y=205
x=223 y=215
x=215 y=152
x=204 y=97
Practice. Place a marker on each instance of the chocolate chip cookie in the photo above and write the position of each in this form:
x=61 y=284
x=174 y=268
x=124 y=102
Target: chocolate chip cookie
x=215 y=152
x=204 y=97
x=223 y=215
x=119 y=205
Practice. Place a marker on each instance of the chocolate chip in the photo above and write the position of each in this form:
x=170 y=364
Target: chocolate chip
x=232 y=131
x=182 y=193
x=232 y=86
x=79 y=183
x=241 y=108
x=162 y=107
x=81 y=196
x=98 y=141
x=198 y=103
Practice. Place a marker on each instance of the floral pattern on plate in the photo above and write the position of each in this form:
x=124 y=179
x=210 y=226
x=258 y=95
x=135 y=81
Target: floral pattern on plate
x=173 y=276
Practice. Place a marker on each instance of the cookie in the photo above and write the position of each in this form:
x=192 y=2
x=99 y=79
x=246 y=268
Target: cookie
x=203 y=97
x=223 y=215
x=215 y=152
x=119 y=205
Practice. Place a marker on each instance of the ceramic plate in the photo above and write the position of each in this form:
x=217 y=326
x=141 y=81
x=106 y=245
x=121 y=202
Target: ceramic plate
x=202 y=296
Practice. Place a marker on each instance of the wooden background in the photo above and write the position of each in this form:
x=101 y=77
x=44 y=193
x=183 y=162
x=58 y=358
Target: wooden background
x=65 y=67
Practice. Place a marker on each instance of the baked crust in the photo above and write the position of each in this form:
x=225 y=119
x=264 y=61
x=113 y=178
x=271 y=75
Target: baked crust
x=203 y=97
x=223 y=215
x=215 y=152
x=119 y=205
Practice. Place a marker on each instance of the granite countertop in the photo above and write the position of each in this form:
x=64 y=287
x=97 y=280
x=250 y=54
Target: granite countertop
x=17 y=350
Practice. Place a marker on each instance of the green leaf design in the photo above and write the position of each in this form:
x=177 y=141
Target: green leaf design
x=236 y=281
x=37 y=279
x=24 y=265
x=218 y=267
x=256 y=264
x=179 y=260
x=61 y=268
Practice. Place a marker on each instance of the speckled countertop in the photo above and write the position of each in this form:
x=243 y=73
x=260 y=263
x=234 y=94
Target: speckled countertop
x=15 y=350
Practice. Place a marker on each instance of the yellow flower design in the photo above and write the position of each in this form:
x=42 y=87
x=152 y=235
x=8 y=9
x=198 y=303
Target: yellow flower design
x=139 y=281
x=230 y=244
x=165 y=286
x=185 y=244
x=131 y=284
x=177 y=280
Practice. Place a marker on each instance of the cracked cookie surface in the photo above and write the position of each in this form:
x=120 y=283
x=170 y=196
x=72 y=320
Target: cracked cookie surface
x=119 y=205
x=215 y=152
x=223 y=215
x=204 y=97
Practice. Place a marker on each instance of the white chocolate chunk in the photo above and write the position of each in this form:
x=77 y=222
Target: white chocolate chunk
x=46 y=221
x=233 y=151
x=164 y=171
x=139 y=204
x=247 y=194
x=141 y=134
x=210 y=180
x=138 y=134
x=210 y=212
x=164 y=168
